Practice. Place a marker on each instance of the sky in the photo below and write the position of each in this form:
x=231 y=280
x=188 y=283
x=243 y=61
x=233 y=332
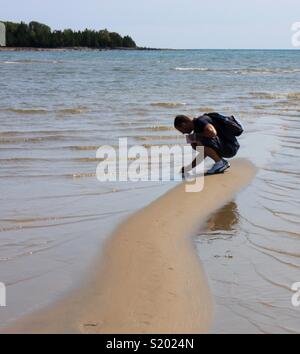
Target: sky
x=180 y=24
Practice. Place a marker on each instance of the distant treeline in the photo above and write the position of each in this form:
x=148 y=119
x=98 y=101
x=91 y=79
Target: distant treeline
x=38 y=35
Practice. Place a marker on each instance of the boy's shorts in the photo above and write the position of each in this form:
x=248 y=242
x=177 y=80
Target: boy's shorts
x=224 y=148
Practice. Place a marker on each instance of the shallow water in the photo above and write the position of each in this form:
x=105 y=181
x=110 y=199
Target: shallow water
x=58 y=108
x=251 y=248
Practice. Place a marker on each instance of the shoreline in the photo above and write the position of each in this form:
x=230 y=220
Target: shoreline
x=75 y=49
x=149 y=279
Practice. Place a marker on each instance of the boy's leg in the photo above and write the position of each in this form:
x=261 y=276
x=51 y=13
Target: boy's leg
x=209 y=152
x=220 y=165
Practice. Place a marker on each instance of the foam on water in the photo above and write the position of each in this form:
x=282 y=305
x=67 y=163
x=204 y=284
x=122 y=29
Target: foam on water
x=276 y=96
x=168 y=104
x=243 y=71
x=31 y=111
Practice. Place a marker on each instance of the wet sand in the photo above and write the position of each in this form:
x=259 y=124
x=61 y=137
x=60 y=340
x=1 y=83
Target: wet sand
x=149 y=278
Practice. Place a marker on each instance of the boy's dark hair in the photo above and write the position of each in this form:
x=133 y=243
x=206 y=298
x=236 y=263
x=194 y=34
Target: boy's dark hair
x=179 y=120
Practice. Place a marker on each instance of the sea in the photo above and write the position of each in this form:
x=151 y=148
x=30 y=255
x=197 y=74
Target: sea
x=58 y=107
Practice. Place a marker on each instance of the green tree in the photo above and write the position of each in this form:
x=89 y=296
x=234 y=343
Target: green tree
x=128 y=42
x=68 y=38
x=104 y=39
x=116 y=40
x=40 y=35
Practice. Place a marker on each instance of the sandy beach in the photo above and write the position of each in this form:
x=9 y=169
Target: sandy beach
x=149 y=278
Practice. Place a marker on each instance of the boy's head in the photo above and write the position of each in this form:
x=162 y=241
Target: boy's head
x=184 y=124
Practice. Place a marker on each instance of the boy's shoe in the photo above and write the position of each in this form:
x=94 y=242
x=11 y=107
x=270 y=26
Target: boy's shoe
x=219 y=167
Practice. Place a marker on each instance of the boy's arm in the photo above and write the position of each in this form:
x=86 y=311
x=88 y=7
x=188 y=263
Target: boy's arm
x=209 y=131
x=195 y=161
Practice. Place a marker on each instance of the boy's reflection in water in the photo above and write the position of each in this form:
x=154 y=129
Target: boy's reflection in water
x=225 y=219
